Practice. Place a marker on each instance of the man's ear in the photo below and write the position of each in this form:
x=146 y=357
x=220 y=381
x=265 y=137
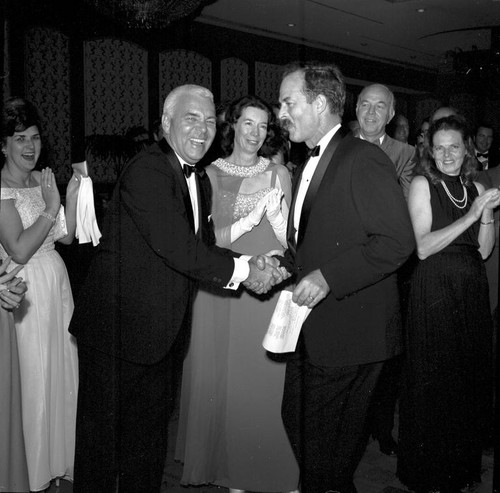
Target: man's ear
x=391 y=115
x=321 y=103
x=165 y=123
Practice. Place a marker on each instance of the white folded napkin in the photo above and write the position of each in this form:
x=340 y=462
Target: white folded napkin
x=86 y=223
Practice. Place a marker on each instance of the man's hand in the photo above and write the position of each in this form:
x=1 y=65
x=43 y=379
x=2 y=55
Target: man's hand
x=264 y=274
x=311 y=289
x=12 y=288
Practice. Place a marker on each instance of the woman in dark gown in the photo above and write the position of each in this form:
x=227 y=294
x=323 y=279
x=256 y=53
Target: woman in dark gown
x=444 y=406
x=230 y=428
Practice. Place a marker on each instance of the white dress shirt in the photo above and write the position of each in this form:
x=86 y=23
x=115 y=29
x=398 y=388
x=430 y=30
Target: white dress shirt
x=241 y=267
x=307 y=175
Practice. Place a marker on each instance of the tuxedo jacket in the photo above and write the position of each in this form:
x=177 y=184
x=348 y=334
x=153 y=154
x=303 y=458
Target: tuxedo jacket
x=139 y=289
x=355 y=228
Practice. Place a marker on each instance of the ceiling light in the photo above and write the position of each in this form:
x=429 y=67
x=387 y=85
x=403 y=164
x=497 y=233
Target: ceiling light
x=291 y=24
x=421 y=10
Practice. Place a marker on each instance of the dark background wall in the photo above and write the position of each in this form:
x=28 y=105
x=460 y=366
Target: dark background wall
x=90 y=76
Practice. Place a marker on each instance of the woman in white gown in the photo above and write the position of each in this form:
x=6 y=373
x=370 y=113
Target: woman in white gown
x=31 y=220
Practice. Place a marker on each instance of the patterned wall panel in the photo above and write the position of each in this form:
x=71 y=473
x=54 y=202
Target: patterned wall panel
x=47 y=86
x=233 y=79
x=267 y=81
x=179 y=67
x=116 y=93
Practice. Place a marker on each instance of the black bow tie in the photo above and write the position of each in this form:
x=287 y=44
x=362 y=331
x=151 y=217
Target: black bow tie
x=189 y=169
x=482 y=154
x=313 y=152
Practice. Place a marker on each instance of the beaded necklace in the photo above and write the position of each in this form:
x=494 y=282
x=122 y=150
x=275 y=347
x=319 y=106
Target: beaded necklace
x=459 y=203
x=242 y=171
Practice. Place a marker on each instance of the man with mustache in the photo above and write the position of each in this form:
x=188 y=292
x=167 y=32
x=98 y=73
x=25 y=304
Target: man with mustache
x=349 y=231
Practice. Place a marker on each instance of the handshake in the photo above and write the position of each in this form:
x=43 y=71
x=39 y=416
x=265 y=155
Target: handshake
x=265 y=272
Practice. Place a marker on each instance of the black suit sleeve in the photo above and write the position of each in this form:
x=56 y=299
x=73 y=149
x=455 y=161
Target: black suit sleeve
x=383 y=215
x=152 y=195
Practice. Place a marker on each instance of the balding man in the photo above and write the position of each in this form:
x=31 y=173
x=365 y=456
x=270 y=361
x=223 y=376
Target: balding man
x=374 y=110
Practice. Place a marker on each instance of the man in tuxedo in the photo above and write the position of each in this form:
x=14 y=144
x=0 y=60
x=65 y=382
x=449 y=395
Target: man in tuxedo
x=483 y=140
x=158 y=240
x=349 y=231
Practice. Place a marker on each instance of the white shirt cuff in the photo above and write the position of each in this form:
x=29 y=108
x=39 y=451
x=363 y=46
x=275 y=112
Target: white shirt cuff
x=240 y=273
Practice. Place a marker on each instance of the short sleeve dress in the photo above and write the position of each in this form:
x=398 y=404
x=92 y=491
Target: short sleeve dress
x=47 y=352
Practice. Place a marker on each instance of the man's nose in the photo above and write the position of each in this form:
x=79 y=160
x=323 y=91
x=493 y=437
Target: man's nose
x=282 y=113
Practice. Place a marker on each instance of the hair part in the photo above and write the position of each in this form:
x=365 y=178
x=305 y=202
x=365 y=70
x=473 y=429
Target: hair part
x=321 y=78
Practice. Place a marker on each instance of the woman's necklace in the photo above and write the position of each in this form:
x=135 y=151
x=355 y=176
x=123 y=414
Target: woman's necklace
x=456 y=202
x=242 y=171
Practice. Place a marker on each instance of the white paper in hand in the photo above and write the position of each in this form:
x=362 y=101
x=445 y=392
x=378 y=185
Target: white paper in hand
x=284 y=329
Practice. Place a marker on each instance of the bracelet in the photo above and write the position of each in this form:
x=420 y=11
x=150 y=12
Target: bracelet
x=488 y=222
x=48 y=216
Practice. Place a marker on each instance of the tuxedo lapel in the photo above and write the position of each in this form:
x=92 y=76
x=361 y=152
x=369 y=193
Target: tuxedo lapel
x=290 y=232
x=173 y=161
x=324 y=161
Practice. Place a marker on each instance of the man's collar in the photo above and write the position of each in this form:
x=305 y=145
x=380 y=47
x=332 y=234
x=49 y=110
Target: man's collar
x=380 y=139
x=323 y=142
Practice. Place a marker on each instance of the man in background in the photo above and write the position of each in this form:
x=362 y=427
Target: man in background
x=485 y=153
x=374 y=110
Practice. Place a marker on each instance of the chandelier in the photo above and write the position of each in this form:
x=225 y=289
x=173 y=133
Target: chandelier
x=147 y=14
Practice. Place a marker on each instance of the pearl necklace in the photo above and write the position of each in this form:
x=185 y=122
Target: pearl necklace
x=456 y=202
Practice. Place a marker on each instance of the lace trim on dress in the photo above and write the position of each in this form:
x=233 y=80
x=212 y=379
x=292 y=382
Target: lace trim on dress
x=242 y=171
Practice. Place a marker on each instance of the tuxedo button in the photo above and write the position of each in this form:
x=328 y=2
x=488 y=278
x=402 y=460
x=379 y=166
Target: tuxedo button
x=231 y=284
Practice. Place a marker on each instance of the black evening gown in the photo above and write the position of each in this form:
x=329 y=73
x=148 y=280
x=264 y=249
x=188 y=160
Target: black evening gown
x=446 y=391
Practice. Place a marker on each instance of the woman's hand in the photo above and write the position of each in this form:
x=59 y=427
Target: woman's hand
x=494 y=200
x=50 y=193
x=489 y=199
x=12 y=288
x=274 y=203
